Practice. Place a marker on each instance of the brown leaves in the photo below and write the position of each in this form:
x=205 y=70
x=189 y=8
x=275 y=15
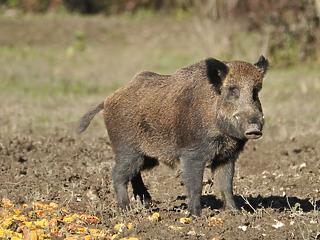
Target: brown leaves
x=39 y=221
x=46 y=221
x=6 y=203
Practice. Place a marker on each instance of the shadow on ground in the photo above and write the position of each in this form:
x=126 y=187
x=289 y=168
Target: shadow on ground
x=280 y=203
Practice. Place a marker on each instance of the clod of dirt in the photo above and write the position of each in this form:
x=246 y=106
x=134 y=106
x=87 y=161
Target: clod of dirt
x=297 y=150
x=22 y=159
x=284 y=153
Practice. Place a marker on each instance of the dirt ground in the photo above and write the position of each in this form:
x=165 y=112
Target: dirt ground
x=277 y=182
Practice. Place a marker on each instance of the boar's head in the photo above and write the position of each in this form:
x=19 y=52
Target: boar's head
x=236 y=85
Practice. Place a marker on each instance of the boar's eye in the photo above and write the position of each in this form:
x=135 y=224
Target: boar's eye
x=233 y=92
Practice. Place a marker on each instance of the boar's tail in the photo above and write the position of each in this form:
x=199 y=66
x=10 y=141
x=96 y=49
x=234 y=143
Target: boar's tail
x=88 y=116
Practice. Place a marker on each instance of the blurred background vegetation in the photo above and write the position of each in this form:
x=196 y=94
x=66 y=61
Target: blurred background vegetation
x=58 y=57
x=291 y=27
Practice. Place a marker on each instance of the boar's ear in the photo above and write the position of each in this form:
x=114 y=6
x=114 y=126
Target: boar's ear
x=262 y=64
x=216 y=72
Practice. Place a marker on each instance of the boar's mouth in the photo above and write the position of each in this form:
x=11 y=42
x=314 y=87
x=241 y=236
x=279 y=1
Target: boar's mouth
x=253 y=133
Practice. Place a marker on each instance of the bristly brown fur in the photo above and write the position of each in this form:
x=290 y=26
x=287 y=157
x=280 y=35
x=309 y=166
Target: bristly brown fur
x=185 y=117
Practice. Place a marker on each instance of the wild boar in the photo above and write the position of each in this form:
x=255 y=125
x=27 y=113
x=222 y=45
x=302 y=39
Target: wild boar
x=203 y=113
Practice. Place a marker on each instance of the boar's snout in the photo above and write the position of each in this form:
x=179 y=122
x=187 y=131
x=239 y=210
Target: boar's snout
x=251 y=126
x=253 y=132
x=254 y=128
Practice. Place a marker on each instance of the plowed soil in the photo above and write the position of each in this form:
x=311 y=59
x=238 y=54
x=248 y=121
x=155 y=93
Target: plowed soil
x=275 y=182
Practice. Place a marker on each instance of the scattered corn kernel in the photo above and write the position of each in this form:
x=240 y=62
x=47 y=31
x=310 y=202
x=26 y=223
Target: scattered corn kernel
x=215 y=221
x=185 y=220
x=155 y=217
x=120 y=227
x=114 y=236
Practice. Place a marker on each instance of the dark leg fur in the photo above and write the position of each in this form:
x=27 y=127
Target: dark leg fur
x=127 y=166
x=193 y=175
x=139 y=189
x=120 y=182
x=224 y=172
x=149 y=163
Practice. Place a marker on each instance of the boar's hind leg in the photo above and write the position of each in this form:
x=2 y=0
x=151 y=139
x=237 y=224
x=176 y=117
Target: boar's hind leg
x=192 y=173
x=224 y=172
x=127 y=166
x=139 y=189
x=120 y=178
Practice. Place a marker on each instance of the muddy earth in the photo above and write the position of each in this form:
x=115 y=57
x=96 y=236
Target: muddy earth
x=276 y=185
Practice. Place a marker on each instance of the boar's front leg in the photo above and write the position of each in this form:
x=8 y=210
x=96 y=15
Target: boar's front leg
x=192 y=173
x=223 y=175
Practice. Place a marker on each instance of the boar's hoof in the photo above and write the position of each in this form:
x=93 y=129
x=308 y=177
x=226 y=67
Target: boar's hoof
x=147 y=202
x=125 y=208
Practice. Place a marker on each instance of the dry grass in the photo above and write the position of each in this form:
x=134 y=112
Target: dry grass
x=49 y=80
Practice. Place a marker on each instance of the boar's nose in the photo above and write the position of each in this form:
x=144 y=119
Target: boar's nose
x=253 y=131
x=254 y=128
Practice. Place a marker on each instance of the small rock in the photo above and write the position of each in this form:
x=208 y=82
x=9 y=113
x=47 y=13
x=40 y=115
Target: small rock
x=278 y=224
x=191 y=233
x=302 y=165
x=22 y=159
x=284 y=153
x=243 y=228
x=297 y=150
x=92 y=196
